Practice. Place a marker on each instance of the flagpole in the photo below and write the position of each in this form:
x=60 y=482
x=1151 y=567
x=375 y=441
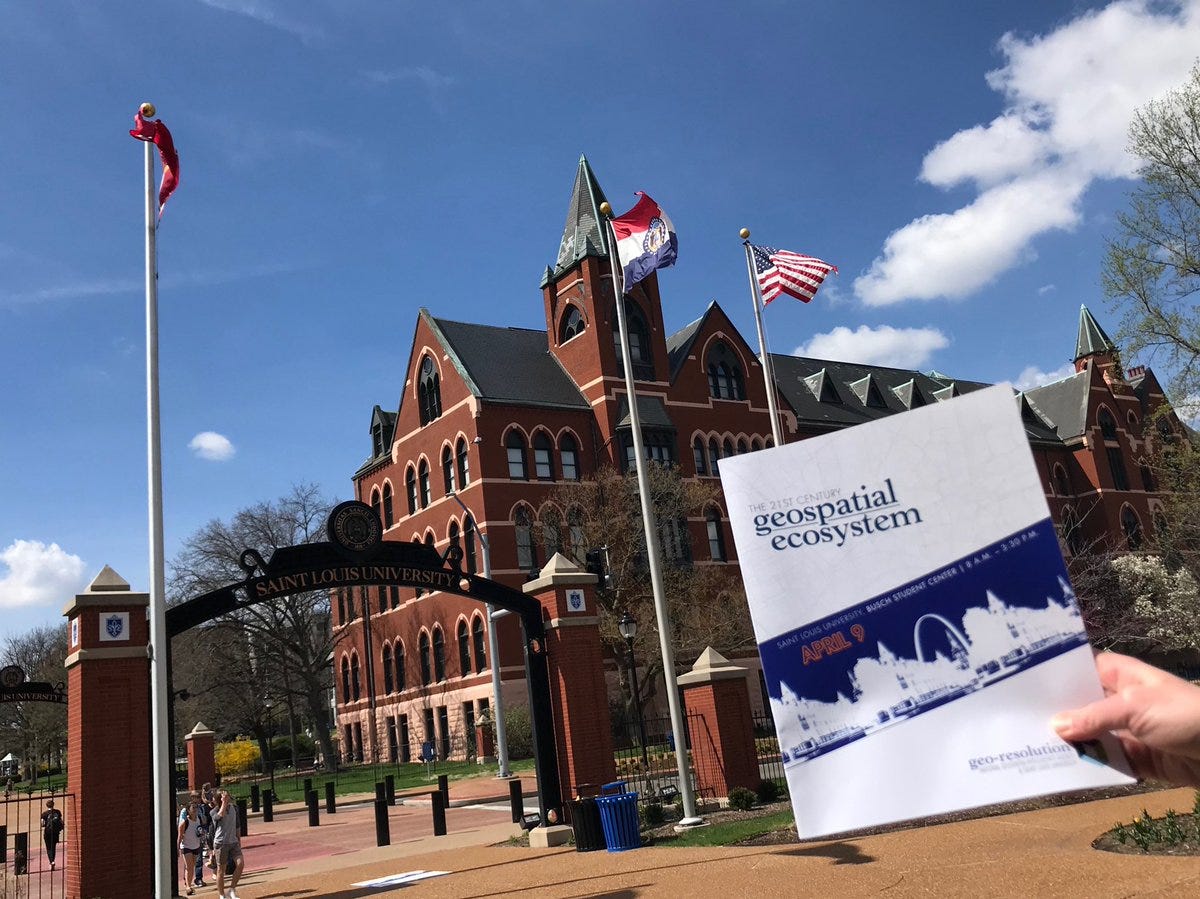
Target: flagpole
x=650 y=525
x=767 y=366
x=160 y=739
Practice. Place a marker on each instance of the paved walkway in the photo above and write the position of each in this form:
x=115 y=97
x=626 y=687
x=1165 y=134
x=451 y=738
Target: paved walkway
x=1043 y=853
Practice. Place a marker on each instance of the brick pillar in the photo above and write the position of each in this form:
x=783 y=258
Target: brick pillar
x=108 y=845
x=575 y=657
x=201 y=756
x=722 y=740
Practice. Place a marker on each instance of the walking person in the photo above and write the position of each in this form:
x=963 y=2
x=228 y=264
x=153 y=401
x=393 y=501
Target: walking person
x=227 y=846
x=189 y=844
x=52 y=828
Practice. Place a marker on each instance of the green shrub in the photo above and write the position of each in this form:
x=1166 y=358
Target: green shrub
x=652 y=814
x=518 y=731
x=768 y=791
x=741 y=799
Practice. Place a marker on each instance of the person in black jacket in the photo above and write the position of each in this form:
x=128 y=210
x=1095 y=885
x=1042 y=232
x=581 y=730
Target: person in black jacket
x=52 y=828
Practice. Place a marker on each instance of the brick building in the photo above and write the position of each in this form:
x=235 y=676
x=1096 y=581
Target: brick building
x=503 y=416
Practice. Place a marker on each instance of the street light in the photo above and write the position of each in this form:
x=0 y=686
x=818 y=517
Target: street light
x=493 y=647
x=268 y=704
x=628 y=628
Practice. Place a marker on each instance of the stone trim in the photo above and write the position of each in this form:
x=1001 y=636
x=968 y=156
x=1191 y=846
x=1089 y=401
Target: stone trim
x=586 y=621
x=117 y=601
x=115 y=652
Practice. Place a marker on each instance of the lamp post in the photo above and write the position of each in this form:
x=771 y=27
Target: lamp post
x=628 y=628
x=268 y=704
x=493 y=644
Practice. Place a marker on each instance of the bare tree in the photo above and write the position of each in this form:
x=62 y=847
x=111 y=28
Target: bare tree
x=39 y=727
x=278 y=649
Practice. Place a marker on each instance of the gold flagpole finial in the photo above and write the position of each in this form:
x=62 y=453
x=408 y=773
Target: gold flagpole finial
x=744 y=234
x=605 y=209
x=147 y=109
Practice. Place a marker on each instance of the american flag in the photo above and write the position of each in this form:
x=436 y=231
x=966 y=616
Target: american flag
x=780 y=271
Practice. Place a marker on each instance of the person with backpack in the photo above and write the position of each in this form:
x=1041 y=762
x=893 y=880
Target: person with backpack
x=52 y=828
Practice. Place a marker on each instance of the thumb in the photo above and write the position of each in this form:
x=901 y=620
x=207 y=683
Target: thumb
x=1090 y=721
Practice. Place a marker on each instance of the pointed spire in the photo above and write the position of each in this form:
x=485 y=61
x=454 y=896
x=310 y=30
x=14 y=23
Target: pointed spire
x=583 y=234
x=1092 y=340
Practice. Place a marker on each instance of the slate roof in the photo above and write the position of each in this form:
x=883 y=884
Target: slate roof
x=651 y=409
x=584 y=232
x=1064 y=403
x=1091 y=339
x=680 y=343
x=509 y=365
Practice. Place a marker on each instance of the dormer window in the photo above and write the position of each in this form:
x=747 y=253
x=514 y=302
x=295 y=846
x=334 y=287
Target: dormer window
x=725 y=380
x=572 y=325
x=429 y=391
x=377 y=439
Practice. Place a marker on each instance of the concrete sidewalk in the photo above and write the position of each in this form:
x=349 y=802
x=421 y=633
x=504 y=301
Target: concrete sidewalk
x=1042 y=853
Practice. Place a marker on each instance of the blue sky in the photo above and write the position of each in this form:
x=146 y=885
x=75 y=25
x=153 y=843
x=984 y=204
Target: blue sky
x=344 y=163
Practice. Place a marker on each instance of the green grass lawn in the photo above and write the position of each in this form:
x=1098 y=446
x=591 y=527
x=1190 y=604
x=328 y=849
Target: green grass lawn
x=289 y=787
x=728 y=833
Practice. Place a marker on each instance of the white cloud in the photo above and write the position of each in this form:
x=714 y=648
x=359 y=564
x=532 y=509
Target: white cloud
x=1031 y=376
x=39 y=575
x=1069 y=96
x=212 y=446
x=1047 y=288
x=265 y=14
x=885 y=345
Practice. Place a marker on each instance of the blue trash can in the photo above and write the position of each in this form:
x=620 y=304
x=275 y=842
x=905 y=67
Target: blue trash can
x=619 y=817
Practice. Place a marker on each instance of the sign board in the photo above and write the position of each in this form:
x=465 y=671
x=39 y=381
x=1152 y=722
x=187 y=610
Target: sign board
x=575 y=601
x=914 y=616
x=114 y=626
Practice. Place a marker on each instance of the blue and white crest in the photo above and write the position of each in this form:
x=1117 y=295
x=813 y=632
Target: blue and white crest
x=575 y=602
x=114 y=625
x=656 y=236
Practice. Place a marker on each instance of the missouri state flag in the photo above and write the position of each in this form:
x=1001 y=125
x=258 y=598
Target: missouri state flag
x=156 y=132
x=645 y=240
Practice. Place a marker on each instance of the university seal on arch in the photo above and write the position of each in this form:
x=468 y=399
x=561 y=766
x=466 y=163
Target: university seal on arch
x=354 y=526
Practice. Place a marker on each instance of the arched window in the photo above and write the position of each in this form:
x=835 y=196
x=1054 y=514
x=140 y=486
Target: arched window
x=388 y=683
x=742 y=448
x=1132 y=527
x=469 y=530
x=464 y=465
x=423 y=481
x=575 y=529
x=477 y=637
x=1108 y=424
x=345 y=680
x=464 y=649
x=1062 y=486
x=423 y=651
x=543 y=465
x=389 y=517
x=568 y=454
x=410 y=487
x=716 y=539
x=755 y=445
x=401 y=674
x=523 y=528
x=770 y=441
x=714 y=455
x=448 y=469
x=377 y=505
x=698 y=456
x=455 y=535
x=514 y=444
x=639 y=342
x=1071 y=532
x=439 y=654
x=572 y=324
x=551 y=531
x=1133 y=421
x=429 y=391
x=727 y=448
x=724 y=374
x=355 y=690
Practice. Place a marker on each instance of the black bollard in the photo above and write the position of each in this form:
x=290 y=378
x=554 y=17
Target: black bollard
x=243 y=824
x=255 y=797
x=389 y=786
x=268 y=807
x=439 y=816
x=20 y=853
x=516 y=801
x=330 y=799
x=3 y=844
x=444 y=789
x=307 y=785
x=314 y=813
x=380 y=792
x=382 y=836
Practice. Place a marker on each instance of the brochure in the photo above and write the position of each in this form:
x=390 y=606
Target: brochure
x=914 y=615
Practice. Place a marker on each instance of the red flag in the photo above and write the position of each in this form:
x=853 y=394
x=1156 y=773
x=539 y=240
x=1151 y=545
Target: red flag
x=156 y=132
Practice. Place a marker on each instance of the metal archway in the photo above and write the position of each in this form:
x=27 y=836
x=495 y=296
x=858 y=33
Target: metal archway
x=357 y=556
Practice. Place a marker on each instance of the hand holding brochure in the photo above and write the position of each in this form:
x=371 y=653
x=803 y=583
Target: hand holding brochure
x=914 y=616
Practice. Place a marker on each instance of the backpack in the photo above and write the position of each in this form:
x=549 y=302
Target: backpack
x=54 y=823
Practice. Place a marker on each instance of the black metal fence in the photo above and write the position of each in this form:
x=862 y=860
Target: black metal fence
x=33 y=862
x=766 y=747
x=652 y=770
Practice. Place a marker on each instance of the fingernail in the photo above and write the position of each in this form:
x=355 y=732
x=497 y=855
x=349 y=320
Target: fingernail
x=1061 y=721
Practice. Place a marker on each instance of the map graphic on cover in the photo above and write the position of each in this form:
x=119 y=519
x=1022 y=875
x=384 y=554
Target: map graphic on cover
x=914 y=616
